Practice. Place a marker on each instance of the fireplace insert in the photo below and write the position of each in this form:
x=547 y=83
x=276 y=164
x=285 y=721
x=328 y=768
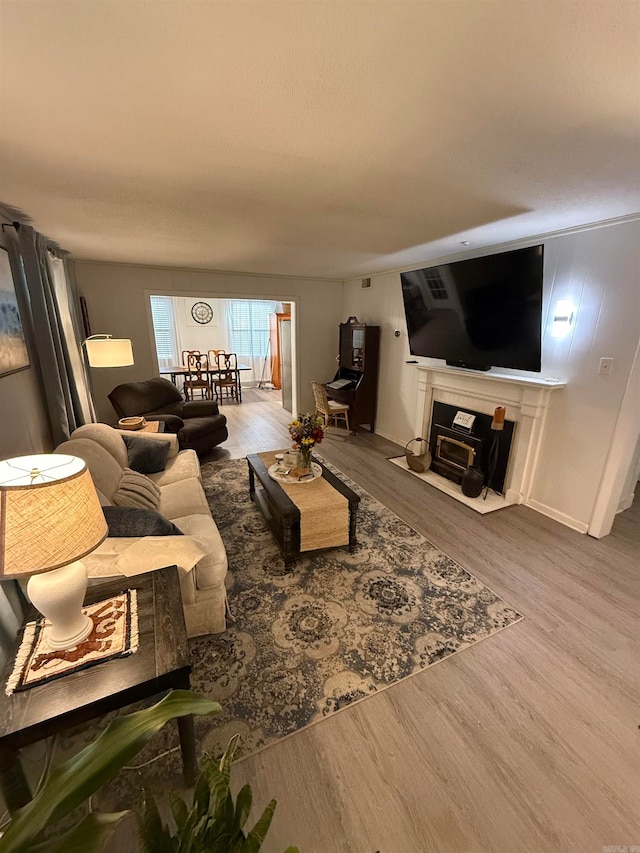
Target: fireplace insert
x=453 y=451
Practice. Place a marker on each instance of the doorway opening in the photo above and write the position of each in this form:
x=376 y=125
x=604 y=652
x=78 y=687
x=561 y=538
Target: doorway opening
x=258 y=331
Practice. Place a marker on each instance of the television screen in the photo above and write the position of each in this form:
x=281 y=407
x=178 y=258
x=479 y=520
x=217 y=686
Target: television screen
x=478 y=313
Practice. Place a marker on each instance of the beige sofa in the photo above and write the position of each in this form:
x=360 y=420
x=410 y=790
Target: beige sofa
x=199 y=554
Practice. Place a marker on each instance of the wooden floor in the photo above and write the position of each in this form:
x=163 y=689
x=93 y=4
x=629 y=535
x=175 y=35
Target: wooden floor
x=528 y=741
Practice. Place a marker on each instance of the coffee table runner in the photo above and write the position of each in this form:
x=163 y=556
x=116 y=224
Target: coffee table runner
x=324 y=512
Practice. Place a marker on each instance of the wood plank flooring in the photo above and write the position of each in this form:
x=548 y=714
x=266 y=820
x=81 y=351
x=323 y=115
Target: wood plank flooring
x=528 y=741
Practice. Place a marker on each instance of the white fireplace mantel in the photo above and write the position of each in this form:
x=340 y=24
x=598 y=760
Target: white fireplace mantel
x=527 y=402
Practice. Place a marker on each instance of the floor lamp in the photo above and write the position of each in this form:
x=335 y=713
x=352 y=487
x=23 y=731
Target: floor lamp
x=50 y=517
x=106 y=351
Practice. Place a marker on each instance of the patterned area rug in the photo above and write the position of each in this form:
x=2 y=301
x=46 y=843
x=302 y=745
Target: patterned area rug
x=335 y=629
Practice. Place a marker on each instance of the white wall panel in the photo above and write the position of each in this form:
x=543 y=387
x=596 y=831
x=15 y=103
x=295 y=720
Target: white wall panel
x=598 y=270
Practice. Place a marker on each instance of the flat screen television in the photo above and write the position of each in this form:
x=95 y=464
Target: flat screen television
x=478 y=313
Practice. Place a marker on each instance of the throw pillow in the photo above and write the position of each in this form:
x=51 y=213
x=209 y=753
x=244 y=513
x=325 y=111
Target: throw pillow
x=137 y=490
x=146 y=455
x=135 y=521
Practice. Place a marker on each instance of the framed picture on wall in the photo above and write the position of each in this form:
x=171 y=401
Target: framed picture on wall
x=13 y=349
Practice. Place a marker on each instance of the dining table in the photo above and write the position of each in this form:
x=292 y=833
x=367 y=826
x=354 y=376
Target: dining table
x=180 y=370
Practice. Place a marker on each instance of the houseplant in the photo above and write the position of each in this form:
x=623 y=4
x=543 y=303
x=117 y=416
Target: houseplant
x=306 y=431
x=212 y=820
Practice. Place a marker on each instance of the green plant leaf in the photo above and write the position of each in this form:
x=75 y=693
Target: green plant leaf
x=154 y=837
x=90 y=834
x=259 y=831
x=243 y=806
x=79 y=777
x=179 y=810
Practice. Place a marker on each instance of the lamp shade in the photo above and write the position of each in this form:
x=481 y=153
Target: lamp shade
x=104 y=351
x=50 y=514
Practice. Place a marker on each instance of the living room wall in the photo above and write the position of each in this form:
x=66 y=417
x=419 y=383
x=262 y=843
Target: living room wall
x=598 y=270
x=117 y=301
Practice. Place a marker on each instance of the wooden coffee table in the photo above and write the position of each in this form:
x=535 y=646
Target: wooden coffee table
x=161 y=663
x=283 y=516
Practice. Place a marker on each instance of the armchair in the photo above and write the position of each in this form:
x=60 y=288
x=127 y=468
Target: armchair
x=197 y=423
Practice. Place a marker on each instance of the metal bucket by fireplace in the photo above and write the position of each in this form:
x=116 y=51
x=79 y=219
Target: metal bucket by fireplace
x=418 y=462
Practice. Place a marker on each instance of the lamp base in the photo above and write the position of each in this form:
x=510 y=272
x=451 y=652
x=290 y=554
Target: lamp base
x=59 y=596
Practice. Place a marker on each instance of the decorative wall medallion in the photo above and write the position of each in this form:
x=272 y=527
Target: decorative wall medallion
x=202 y=312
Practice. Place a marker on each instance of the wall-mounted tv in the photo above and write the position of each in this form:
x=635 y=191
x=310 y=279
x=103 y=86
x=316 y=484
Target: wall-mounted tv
x=478 y=313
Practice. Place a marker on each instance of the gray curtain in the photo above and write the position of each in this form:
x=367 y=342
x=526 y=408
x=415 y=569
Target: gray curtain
x=55 y=330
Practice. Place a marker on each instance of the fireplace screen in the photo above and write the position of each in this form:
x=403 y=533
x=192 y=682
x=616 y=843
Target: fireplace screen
x=455 y=452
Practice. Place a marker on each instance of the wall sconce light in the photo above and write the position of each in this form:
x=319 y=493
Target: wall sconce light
x=106 y=351
x=563 y=318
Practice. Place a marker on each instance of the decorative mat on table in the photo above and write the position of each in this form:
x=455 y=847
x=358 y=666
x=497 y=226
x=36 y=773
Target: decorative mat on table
x=114 y=634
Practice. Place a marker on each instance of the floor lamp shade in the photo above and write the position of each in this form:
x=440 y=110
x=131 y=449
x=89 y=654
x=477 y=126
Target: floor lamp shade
x=105 y=351
x=50 y=517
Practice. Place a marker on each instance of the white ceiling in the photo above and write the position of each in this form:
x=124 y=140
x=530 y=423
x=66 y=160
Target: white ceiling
x=315 y=138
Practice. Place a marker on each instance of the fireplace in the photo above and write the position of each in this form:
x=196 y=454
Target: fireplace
x=527 y=401
x=454 y=449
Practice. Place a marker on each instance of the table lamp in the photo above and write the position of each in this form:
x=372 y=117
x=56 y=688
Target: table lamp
x=50 y=517
x=105 y=351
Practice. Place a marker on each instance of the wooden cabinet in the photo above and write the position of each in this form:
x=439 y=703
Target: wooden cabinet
x=356 y=382
x=276 y=340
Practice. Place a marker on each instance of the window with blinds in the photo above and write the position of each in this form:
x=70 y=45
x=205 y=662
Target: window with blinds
x=249 y=326
x=164 y=329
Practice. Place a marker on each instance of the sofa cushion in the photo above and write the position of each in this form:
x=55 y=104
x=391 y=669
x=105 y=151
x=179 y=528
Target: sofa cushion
x=200 y=434
x=184 y=466
x=145 y=455
x=137 y=490
x=184 y=497
x=106 y=437
x=212 y=568
x=137 y=521
x=139 y=398
x=105 y=471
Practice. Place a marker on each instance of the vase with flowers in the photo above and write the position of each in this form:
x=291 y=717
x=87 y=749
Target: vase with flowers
x=306 y=431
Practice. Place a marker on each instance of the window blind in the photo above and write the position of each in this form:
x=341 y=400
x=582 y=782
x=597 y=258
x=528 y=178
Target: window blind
x=249 y=326
x=164 y=330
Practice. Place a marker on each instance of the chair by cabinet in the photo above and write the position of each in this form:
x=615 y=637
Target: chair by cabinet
x=329 y=409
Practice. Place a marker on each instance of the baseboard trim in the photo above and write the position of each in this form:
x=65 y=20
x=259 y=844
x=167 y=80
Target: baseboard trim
x=562 y=517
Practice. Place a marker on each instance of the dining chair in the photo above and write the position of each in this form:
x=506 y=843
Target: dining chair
x=226 y=380
x=329 y=409
x=213 y=355
x=186 y=353
x=197 y=377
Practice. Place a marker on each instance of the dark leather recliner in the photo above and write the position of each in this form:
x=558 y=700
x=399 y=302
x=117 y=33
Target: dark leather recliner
x=197 y=423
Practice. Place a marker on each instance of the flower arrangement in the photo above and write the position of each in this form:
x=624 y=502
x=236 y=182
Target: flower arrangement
x=306 y=431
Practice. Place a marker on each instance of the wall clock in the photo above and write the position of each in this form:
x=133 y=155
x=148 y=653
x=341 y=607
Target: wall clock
x=202 y=312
